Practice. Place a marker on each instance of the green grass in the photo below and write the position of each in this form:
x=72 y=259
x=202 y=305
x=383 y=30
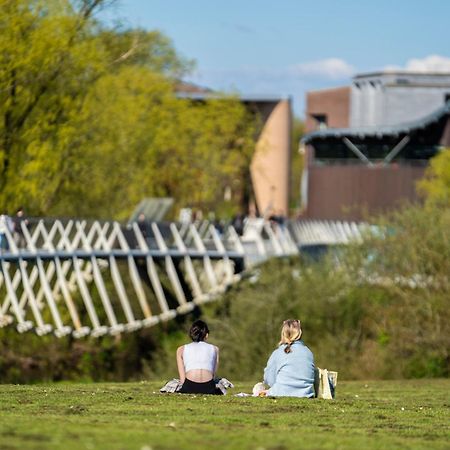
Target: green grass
x=365 y=415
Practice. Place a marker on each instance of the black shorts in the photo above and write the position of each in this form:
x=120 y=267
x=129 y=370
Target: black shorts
x=191 y=387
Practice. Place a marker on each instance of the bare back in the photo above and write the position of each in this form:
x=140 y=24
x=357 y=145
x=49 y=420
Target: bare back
x=197 y=362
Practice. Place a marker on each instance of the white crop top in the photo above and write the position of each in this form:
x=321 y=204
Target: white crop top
x=199 y=355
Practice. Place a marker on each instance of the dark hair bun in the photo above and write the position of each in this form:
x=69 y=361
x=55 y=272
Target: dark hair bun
x=198 y=331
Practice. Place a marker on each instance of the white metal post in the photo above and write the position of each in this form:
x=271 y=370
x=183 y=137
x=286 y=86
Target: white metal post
x=152 y=273
x=195 y=285
x=171 y=271
x=115 y=327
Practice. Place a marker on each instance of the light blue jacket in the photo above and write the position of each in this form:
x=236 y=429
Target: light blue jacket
x=290 y=374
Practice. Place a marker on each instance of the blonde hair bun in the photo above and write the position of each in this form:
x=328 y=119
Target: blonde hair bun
x=291 y=331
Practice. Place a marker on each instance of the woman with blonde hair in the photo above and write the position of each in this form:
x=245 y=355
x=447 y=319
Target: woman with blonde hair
x=290 y=369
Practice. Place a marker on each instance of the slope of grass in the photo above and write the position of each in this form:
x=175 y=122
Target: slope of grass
x=372 y=415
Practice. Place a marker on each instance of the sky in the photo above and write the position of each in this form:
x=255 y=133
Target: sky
x=288 y=47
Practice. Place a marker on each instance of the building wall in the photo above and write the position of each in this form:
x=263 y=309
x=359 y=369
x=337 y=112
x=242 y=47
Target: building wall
x=350 y=192
x=394 y=98
x=270 y=166
x=445 y=139
x=403 y=103
x=334 y=103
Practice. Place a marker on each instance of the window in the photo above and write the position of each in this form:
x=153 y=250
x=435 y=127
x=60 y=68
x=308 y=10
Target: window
x=321 y=121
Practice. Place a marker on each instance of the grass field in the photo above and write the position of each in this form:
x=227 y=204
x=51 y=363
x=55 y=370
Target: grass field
x=365 y=415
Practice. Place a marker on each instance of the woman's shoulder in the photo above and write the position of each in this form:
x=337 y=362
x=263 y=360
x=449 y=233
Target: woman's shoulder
x=298 y=345
x=303 y=347
x=279 y=351
x=200 y=344
x=212 y=346
x=180 y=349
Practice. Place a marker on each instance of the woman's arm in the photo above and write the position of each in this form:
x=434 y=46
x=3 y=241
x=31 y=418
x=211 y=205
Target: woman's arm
x=180 y=364
x=216 y=366
x=270 y=372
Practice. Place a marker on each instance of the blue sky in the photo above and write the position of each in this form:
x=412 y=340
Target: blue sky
x=287 y=47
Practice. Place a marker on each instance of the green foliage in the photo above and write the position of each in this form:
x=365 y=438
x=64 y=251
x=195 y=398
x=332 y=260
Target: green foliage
x=163 y=146
x=435 y=187
x=247 y=325
x=140 y=48
x=376 y=309
x=47 y=58
x=380 y=311
x=369 y=415
x=298 y=130
x=29 y=358
x=91 y=123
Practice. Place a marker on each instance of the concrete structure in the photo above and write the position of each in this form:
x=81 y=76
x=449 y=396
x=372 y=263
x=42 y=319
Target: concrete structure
x=397 y=122
x=391 y=98
x=270 y=165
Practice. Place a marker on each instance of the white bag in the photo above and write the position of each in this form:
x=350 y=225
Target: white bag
x=325 y=383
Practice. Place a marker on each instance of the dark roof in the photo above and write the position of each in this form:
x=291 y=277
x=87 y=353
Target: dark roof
x=400 y=72
x=191 y=91
x=191 y=88
x=379 y=131
x=211 y=95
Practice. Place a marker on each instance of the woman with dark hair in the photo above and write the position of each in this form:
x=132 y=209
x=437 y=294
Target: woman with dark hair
x=197 y=362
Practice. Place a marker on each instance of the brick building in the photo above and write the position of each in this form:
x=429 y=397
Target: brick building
x=368 y=144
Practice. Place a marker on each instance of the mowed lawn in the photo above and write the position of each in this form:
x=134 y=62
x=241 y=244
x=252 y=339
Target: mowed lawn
x=365 y=415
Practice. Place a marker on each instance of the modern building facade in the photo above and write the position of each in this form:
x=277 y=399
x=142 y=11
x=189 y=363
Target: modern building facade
x=392 y=98
x=270 y=165
x=394 y=122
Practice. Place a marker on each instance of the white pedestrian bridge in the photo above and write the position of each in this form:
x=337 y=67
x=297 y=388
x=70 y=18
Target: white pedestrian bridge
x=93 y=278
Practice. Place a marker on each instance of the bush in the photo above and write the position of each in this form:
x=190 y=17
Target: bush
x=376 y=309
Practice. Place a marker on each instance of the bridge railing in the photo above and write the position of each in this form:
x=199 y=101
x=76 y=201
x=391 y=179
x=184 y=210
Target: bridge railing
x=92 y=278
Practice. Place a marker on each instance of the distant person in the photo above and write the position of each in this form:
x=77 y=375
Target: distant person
x=238 y=223
x=6 y=225
x=290 y=369
x=18 y=220
x=143 y=225
x=219 y=226
x=197 y=216
x=277 y=220
x=197 y=362
x=281 y=218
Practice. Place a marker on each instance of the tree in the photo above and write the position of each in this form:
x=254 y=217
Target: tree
x=435 y=186
x=298 y=130
x=135 y=138
x=91 y=120
x=48 y=57
x=141 y=48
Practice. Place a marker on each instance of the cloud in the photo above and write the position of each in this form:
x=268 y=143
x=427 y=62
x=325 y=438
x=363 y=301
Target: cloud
x=329 y=69
x=431 y=63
